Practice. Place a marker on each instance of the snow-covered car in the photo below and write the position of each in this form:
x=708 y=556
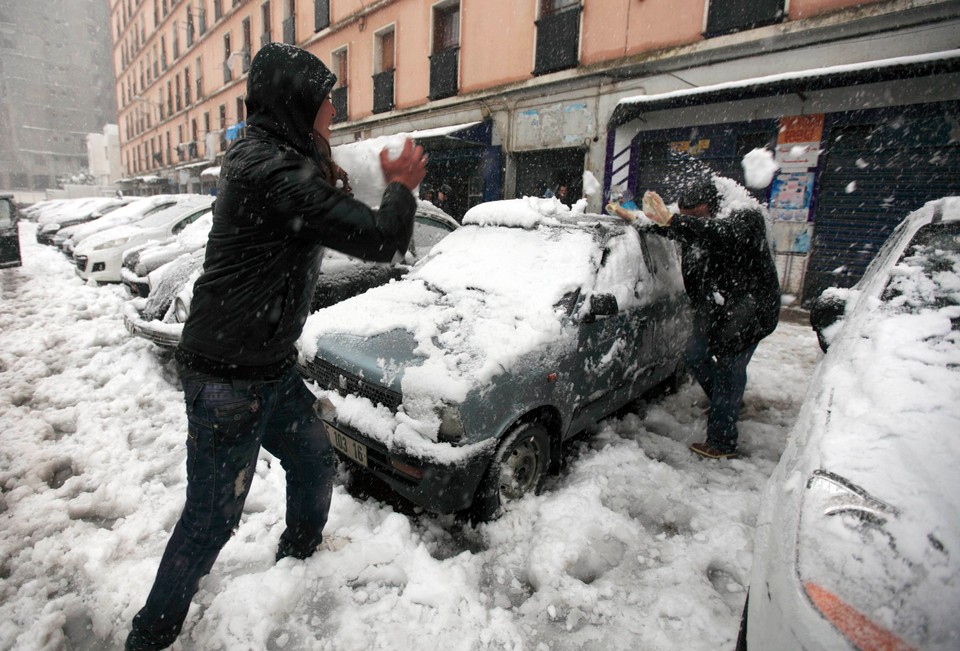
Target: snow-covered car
x=139 y=270
x=858 y=535
x=67 y=238
x=9 y=233
x=51 y=222
x=457 y=384
x=160 y=316
x=99 y=256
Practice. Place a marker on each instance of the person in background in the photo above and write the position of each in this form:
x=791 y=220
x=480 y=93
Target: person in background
x=281 y=200
x=426 y=193
x=730 y=277
x=563 y=194
x=443 y=198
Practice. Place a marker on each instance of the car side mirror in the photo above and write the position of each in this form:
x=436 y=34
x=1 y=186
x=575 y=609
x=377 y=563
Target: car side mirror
x=601 y=305
x=826 y=310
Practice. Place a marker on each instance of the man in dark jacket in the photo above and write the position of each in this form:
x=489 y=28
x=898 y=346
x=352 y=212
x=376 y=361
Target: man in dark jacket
x=281 y=200
x=731 y=279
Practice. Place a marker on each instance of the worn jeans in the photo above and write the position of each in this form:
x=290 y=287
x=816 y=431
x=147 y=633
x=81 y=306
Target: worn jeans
x=723 y=377
x=227 y=425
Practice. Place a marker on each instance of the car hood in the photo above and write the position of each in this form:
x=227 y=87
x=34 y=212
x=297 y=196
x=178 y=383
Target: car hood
x=129 y=233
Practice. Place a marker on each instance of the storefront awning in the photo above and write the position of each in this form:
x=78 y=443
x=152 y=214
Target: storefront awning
x=800 y=81
x=477 y=133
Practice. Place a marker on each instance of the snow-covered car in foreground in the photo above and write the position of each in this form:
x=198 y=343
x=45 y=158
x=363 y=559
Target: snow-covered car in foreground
x=457 y=384
x=99 y=256
x=858 y=537
x=160 y=316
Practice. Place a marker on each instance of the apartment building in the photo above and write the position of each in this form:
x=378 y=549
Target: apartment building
x=513 y=97
x=55 y=88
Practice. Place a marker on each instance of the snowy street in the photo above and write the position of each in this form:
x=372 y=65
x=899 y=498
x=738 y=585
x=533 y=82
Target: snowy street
x=638 y=544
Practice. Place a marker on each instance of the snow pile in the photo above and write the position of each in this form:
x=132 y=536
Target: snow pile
x=636 y=545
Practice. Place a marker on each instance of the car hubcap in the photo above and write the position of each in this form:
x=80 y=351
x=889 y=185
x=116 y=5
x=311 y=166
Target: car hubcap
x=521 y=470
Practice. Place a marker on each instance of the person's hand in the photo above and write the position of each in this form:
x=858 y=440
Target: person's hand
x=408 y=168
x=655 y=210
x=615 y=209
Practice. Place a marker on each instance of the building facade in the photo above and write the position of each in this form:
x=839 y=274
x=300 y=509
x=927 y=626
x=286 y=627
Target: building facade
x=516 y=97
x=56 y=86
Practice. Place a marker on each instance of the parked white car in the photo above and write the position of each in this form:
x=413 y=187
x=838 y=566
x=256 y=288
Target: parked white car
x=68 y=238
x=100 y=256
x=858 y=537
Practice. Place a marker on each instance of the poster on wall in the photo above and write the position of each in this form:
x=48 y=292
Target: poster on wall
x=790 y=196
x=798 y=143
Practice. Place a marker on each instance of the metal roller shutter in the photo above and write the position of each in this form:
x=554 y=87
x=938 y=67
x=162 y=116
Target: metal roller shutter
x=879 y=167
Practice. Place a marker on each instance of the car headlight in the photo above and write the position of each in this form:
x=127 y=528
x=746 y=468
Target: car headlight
x=180 y=310
x=110 y=244
x=451 y=427
x=849 y=565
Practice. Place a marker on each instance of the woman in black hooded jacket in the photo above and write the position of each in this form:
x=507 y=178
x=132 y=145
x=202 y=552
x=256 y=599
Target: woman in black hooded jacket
x=281 y=200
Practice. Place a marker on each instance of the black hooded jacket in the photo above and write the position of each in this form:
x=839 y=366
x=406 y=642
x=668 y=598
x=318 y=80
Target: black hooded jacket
x=276 y=210
x=730 y=277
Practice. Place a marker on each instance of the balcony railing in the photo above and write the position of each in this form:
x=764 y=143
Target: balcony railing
x=338 y=96
x=558 y=41
x=444 y=66
x=383 y=91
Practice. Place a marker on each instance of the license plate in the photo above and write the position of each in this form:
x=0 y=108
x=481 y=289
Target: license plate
x=346 y=445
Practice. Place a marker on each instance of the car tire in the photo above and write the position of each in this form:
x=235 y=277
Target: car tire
x=518 y=468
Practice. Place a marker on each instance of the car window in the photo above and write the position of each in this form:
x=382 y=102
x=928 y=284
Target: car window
x=183 y=223
x=426 y=233
x=622 y=271
x=6 y=214
x=928 y=273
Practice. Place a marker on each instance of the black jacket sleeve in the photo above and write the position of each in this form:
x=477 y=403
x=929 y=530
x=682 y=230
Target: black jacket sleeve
x=715 y=234
x=315 y=210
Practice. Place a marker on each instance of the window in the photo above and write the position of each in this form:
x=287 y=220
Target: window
x=189 y=25
x=223 y=127
x=176 y=84
x=444 y=61
x=339 y=94
x=247 y=38
x=163 y=52
x=160 y=101
x=169 y=97
x=176 y=41
x=227 y=73
x=726 y=16
x=384 y=71
x=240 y=109
x=199 y=78
x=558 y=36
x=186 y=86
x=321 y=14
x=265 y=34
x=217 y=10
x=202 y=17
x=290 y=22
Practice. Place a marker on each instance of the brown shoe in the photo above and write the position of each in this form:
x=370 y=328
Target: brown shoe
x=705 y=450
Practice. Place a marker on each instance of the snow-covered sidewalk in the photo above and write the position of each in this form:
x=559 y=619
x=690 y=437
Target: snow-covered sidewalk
x=637 y=544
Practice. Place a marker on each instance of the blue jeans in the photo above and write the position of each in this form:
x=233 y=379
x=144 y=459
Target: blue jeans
x=723 y=377
x=227 y=424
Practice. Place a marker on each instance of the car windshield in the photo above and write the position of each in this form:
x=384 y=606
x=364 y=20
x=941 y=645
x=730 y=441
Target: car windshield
x=552 y=261
x=928 y=273
x=164 y=216
x=426 y=233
